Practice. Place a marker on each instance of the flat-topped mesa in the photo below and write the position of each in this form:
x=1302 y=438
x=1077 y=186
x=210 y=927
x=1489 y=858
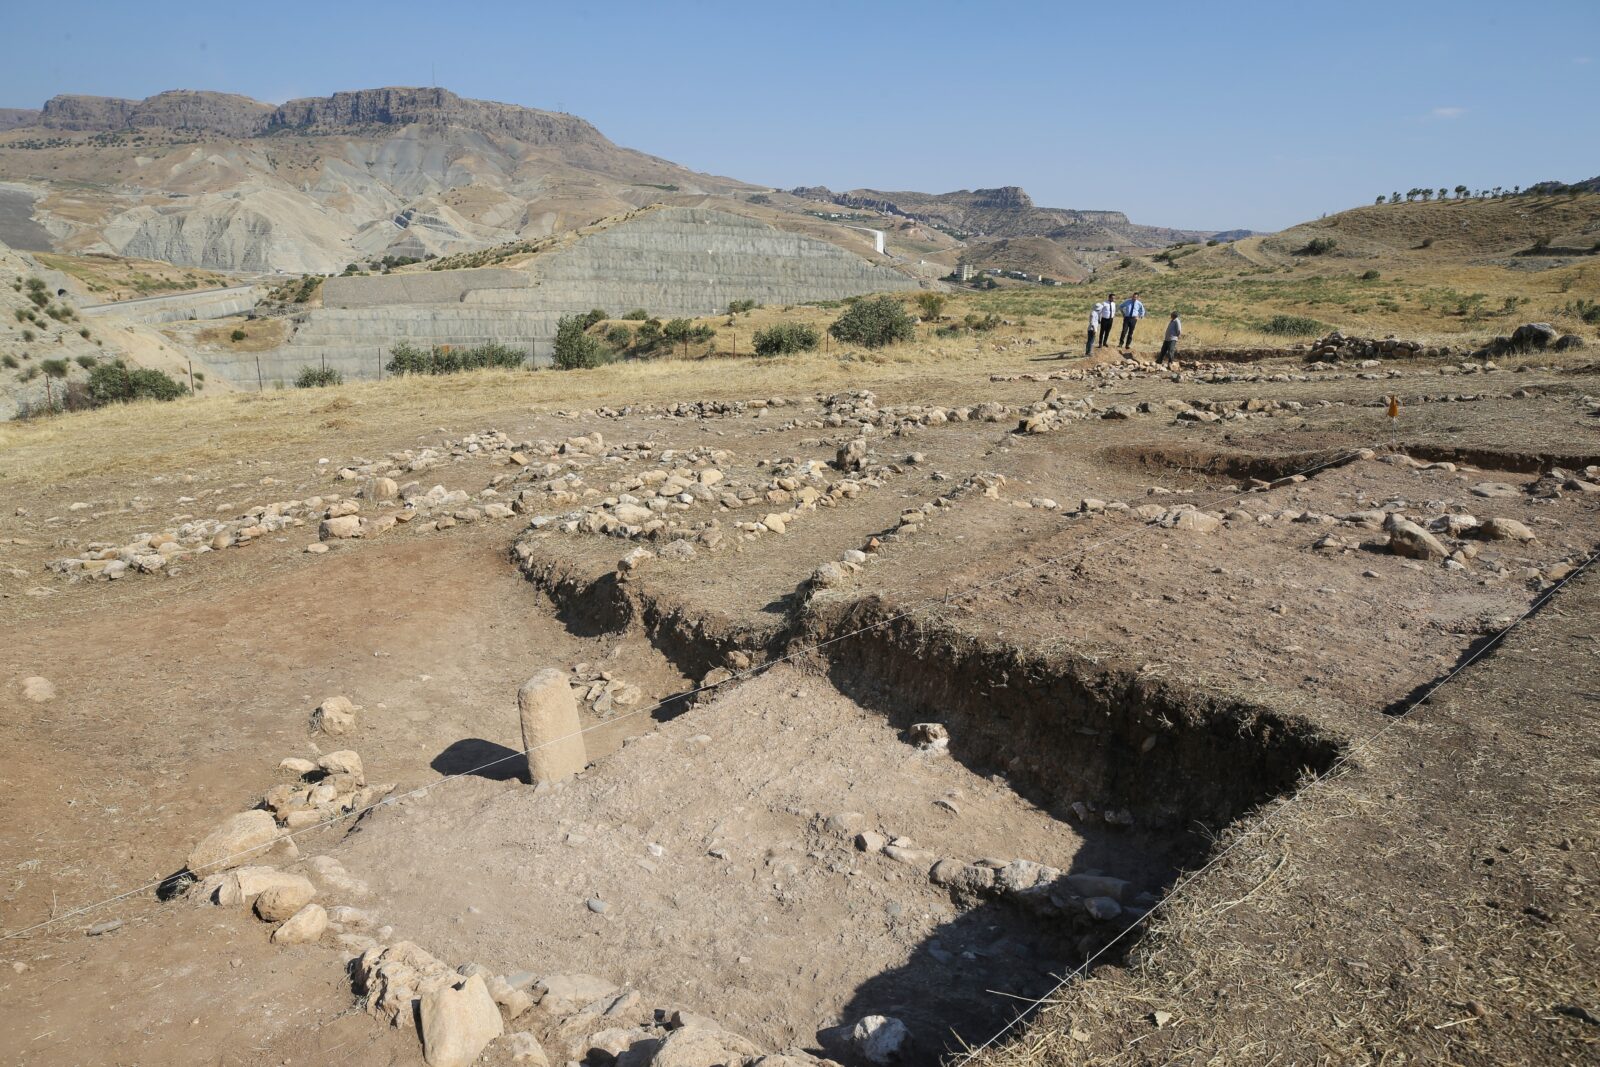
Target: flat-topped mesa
x=239 y=116
x=176 y=109
x=400 y=106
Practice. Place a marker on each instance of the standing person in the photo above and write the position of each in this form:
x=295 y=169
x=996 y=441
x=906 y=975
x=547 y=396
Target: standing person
x=1094 y=331
x=1132 y=312
x=1108 y=310
x=1169 y=345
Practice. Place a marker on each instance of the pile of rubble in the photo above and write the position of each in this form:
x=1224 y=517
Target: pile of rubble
x=1530 y=337
x=1336 y=346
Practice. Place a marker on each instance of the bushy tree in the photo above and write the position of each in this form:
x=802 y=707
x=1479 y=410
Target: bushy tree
x=575 y=349
x=931 y=304
x=874 y=323
x=783 y=338
x=113 y=382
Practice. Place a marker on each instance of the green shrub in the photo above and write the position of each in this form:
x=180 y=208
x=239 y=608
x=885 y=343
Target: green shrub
x=1317 y=246
x=87 y=361
x=595 y=315
x=649 y=334
x=1370 y=276
x=782 y=338
x=735 y=307
x=10 y=361
x=1125 y=262
x=1587 y=310
x=237 y=335
x=619 y=336
x=676 y=331
x=84 y=333
x=316 y=377
x=407 y=358
x=636 y=315
x=874 y=323
x=1293 y=326
x=975 y=321
x=55 y=368
x=575 y=349
x=931 y=304
x=110 y=383
x=27 y=335
x=23 y=314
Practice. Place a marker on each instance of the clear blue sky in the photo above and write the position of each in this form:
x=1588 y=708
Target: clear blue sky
x=1204 y=115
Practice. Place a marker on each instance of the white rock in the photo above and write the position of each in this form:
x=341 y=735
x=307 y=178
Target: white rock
x=880 y=1039
x=458 y=1023
x=38 y=689
x=239 y=838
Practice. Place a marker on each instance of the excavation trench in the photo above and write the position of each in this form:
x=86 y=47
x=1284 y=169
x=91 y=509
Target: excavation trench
x=1106 y=779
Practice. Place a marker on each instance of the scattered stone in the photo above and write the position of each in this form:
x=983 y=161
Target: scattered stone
x=458 y=1022
x=880 y=1039
x=1498 y=529
x=105 y=927
x=303 y=927
x=845 y=823
x=1408 y=539
x=335 y=715
x=563 y=994
x=871 y=841
x=38 y=689
x=693 y=1046
x=239 y=837
x=282 y=899
x=340 y=528
x=930 y=736
x=525 y=1048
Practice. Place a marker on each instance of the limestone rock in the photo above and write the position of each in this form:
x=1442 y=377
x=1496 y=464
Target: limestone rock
x=930 y=736
x=1408 y=539
x=880 y=1040
x=335 y=715
x=305 y=927
x=1498 y=529
x=699 y=1047
x=282 y=900
x=344 y=762
x=563 y=994
x=550 y=728
x=852 y=456
x=458 y=1023
x=38 y=689
x=525 y=1048
x=240 y=837
x=243 y=885
x=339 y=528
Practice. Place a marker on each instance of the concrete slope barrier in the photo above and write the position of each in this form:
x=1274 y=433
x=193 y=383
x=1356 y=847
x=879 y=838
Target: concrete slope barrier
x=178 y=307
x=670 y=262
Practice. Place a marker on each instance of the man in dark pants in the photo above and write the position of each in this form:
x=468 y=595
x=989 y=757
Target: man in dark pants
x=1094 y=328
x=1169 y=345
x=1108 y=311
x=1132 y=312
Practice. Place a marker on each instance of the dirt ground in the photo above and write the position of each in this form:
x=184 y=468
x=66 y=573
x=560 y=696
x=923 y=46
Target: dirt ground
x=1095 y=666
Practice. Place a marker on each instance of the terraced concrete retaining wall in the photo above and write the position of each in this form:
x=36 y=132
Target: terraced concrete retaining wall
x=179 y=307
x=670 y=262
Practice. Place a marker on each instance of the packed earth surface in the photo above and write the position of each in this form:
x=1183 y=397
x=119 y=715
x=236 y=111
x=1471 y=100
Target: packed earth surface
x=1136 y=714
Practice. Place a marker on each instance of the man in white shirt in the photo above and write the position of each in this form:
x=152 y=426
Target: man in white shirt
x=1094 y=331
x=1108 y=311
x=1169 y=346
x=1132 y=312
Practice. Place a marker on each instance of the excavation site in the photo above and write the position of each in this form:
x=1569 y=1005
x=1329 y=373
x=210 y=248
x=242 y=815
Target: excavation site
x=476 y=591
x=833 y=725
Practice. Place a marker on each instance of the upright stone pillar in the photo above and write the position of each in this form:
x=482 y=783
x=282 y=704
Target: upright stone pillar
x=550 y=727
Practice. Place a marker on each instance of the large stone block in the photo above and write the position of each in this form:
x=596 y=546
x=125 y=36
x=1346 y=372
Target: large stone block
x=550 y=727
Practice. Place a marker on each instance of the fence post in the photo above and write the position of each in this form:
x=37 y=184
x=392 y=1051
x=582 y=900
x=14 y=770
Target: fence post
x=191 y=377
x=49 y=396
x=260 y=385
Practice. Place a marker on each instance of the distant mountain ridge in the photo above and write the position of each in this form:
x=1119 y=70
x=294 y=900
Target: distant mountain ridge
x=232 y=115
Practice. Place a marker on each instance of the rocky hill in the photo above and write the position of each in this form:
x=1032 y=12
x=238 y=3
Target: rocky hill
x=224 y=182
x=1006 y=212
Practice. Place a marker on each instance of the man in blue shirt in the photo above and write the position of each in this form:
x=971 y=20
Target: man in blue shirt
x=1132 y=312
